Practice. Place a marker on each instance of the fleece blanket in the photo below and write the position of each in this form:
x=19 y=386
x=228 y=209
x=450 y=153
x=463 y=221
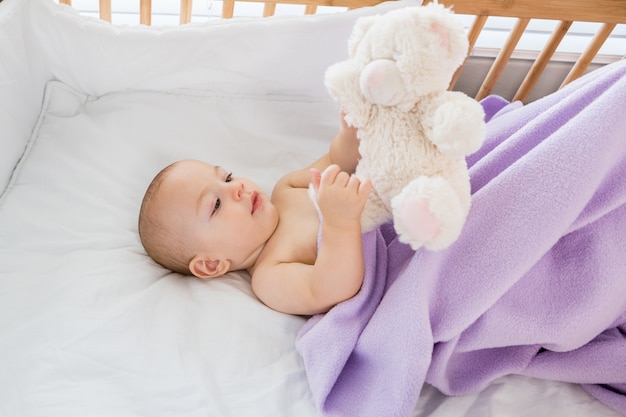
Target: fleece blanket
x=535 y=285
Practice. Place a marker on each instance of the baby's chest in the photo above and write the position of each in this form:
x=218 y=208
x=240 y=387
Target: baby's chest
x=297 y=233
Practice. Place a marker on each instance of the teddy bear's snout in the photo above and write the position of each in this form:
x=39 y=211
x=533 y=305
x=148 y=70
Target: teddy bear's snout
x=381 y=82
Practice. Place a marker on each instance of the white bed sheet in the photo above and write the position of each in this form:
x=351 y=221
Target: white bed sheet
x=89 y=325
x=87 y=319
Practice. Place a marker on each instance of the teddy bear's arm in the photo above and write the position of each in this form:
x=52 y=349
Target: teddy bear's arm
x=456 y=123
x=342 y=81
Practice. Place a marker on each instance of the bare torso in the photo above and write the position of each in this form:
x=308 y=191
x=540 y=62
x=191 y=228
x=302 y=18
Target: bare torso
x=295 y=238
x=291 y=274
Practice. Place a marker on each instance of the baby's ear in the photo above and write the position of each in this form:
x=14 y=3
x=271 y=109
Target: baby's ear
x=203 y=267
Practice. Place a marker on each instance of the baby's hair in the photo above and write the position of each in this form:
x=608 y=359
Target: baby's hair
x=160 y=242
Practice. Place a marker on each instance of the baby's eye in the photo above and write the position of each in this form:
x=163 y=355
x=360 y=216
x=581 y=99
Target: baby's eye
x=218 y=203
x=229 y=177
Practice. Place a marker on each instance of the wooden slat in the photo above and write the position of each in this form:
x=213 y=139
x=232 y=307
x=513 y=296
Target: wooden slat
x=68 y=2
x=503 y=57
x=185 y=11
x=477 y=27
x=269 y=9
x=310 y=9
x=542 y=61
x=228 y=8
x=145 y=12
x=592 y=50
x=105 y=10
x=474 y=33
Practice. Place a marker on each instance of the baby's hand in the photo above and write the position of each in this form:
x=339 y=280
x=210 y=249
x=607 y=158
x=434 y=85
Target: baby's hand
x=341 y=197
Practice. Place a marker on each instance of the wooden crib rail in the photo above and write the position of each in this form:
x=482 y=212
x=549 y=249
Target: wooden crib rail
x=609 y=13
x=604 y=11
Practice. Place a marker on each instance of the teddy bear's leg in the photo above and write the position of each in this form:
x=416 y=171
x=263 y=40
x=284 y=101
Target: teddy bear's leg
x=428 y=212
x=458 y=125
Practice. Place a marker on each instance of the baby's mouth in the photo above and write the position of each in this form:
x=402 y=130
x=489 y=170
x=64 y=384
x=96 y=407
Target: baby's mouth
x=256 y=201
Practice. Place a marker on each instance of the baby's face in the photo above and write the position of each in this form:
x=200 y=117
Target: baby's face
x=221 y=215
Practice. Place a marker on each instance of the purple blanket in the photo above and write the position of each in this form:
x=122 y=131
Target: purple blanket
x=535 y=285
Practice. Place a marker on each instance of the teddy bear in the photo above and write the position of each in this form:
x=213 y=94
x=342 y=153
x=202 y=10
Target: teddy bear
x=413 y=133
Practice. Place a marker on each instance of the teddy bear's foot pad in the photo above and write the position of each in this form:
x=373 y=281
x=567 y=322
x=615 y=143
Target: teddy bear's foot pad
x=420 y=223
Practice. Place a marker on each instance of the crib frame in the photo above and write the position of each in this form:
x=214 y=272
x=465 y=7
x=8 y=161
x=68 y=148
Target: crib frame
x=608 y=12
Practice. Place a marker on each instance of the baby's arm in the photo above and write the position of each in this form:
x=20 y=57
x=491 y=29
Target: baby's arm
x=337 y=273
x=338 y=270
x=344 y=149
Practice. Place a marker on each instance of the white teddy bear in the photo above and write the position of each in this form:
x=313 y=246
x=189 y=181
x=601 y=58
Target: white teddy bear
x=413 y=133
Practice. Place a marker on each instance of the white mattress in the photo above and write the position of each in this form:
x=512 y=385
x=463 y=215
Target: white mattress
x=89 y=325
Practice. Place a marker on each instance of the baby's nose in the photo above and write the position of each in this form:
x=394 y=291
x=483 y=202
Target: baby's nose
x=237 y=190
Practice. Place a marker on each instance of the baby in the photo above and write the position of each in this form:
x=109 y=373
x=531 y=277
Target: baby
x=199 y=219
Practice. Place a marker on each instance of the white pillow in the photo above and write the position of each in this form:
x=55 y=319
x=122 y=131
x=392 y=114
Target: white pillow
x=277 y=55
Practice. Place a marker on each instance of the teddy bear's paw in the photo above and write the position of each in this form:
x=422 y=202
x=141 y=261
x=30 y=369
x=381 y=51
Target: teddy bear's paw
x=459 y=127
x=428 y=212
x=420 y=224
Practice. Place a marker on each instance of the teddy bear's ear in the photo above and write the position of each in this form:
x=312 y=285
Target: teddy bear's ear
x=362 y=25
x=450 y=33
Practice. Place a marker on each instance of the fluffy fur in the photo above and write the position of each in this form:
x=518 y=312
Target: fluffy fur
x=414 y=134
